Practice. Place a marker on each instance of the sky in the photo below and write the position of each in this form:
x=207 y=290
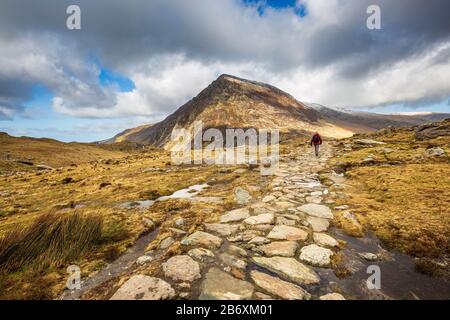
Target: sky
x=135 y=62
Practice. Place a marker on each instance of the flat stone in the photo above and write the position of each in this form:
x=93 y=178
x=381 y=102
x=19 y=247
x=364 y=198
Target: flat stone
x=289 y=268
x=235 y=215
x=316 y=255
x=241 y=196
x=235 y=250
x=318 y=224
x=167 y=242
x=219 y=285
x=259 y=240
x=368 y=142
x=268 y=198
x=181 y=268
x=284 y=204
x=201 y=254
x=232 y=261
x=285 y=221
x=332 y=296
x=323 y=239
x=265 y=218
x=143 y=260
x=278 y=287
x=317 y=210
x=222 y=229
x=281 y=232
x=203 y=239
x=140 y=287
x=280 y=248
x=343 y=207
x=177 y=231
x=368 y=256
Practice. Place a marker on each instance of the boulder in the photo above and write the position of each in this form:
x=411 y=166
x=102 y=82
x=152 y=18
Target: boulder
x=332 y=296
x=242 y=196
x=323 y=239
x=316 y=255
x=203 y=239
x=235 y=215
x=318 y=224
x=219 y=285
x=289 y=268
x=280 y=248
x=222 y=229
x=317 y=210
x=140 y=287
x=278 y=287
x=181 y=268
x=265 y=218
x=282 y=232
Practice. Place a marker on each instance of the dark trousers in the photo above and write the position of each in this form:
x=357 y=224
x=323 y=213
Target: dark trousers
x=316 y=149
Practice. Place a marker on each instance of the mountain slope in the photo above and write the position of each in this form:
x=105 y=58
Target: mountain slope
x=232 y=102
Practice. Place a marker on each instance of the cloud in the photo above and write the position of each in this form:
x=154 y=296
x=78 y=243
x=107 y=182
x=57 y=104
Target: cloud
x=172 y=50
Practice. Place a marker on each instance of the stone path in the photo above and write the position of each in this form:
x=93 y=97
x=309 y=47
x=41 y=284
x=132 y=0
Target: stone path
x=264 y=248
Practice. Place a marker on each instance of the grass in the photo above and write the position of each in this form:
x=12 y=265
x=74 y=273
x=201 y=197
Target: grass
x=403 y=196
x=51 y=241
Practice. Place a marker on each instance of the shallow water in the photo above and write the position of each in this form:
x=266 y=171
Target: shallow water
x=186 y=193
x=399 y=277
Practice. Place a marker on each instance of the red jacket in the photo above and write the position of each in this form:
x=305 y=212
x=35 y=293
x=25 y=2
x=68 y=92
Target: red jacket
x=316 y=139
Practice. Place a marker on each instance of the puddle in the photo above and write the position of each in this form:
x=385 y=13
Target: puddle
x=399 y=278
x=124 y=263
x=186 y=193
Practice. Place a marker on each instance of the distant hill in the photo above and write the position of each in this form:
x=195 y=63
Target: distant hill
x=24 y=153
x=232 y=102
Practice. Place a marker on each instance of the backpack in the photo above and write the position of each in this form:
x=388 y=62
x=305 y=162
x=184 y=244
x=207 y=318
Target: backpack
x=316 y=139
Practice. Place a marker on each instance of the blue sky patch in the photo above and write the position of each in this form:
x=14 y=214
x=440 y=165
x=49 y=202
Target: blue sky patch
x=108 y=77
x=299 y=10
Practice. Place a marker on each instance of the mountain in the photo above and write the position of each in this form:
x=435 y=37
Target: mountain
x=232 y=102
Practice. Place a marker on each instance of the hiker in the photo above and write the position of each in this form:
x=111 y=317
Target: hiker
x=316 y=140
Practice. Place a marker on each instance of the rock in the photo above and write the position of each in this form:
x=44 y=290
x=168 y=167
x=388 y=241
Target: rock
x=268 y=198
x=317 y=210
x=435 y=152
x=237 y=251
x=259 y=240
x=148 y=223
x=143 y=260
x=368 y=142
x=343 y=207
x=262 y=227
x=180 y=222
x=318 y=224
x=222 y=229
x=315 y=200
x=332 y=296
x=278 y=287
x=232 y=261
x=203 y=239
x=316 y=193
x=368 y=256
x=323 y=239
x=43 y=167
x=177 y=232
x=140 y=287
x=285 y=221
x=181 y=268
x=262 y=296
x=245 y=236
x=219 y=285
x=241 y=196
x=289 y=268
x=315 y=255
x=280 y=248
x=284 y=204
x=167 y=242
x=265 y=218
x=433 y=130
x=235 y=215
x=201 y=254
x=240 y=171
x=281 y=232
